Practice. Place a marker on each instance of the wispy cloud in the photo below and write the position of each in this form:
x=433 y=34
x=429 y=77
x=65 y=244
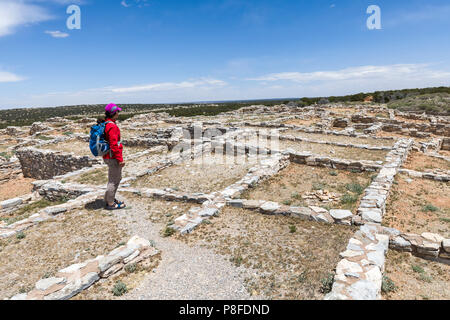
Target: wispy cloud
x=9 y=77
x=355 y=73
x=138 y=3
x=14 y=14
x=57 y=34
x=165 y=86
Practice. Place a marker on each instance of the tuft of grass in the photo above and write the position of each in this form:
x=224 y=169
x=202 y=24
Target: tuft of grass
x=119 y=288
x=237 y=260
x=348 y=199
x=20 y=235
x=287 y=202
x=327 y=283
x=429 y=208
x=292 y=229
x=131 y=268
x=355 y=188
x=168 y=232
x=418 y=269
x=333 y=173
x=318 y=186
x=388 y=285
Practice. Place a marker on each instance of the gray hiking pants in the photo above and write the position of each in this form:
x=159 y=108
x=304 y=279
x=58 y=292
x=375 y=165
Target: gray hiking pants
x=114 y=177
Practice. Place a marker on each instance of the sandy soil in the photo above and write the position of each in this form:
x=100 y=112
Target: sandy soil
x=42 y=252
x=427 y=281
x=16 y=188
x=406 y=207
x=420 y=162
x=294 y=181
x=340 y=139
x=214 y=173
x=288 y=265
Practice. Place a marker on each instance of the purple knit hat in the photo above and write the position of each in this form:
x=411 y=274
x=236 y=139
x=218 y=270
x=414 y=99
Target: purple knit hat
x=112 y=108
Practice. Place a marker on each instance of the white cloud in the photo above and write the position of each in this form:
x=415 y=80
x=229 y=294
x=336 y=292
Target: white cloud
x=139 y=3
x=9 y=77
x=57 y=34
x=14 y=14
x=165 y=86
x=419 y=71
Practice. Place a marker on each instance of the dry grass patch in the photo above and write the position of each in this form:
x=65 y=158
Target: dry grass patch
x=28 y=210
x=207 y=174
x=292 y=258
x=52 y=245
x=320 y=149
x=419 y=206
x=420 y=162
x=416 y=278
x=340 y=139
x=290 y=184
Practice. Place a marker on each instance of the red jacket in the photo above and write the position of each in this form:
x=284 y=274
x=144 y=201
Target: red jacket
x=112 y=135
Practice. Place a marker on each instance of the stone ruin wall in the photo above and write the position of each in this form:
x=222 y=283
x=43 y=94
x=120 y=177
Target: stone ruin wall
x=45 y=164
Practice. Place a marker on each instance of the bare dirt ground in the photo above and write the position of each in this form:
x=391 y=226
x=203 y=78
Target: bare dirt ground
x=340 y=139
x=420 y=162
x=291 y=183
x=16 y=188
x=445 y=153
x=214 y=173
x=401 y=136
x=321 y=149
x=291 y=258
x=42 y=252
x=416 y=278
x=301 y=122
x=419 y=206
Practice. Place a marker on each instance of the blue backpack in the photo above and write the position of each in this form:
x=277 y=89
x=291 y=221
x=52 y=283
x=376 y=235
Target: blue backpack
x=97 y=143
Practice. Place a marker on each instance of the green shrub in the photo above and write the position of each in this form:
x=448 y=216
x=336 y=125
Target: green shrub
x=418 y=269
x=333 y=173
x=355 y=188
x=168 y=231
x=348 y=199
x=388 y=285
x=130 y=268
x=327 y=283
x=119 y=288
x=292 y=229
x=20 y=235
x=429 y=208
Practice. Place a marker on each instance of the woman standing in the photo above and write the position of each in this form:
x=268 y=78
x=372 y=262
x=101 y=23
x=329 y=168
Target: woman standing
x=114 y=158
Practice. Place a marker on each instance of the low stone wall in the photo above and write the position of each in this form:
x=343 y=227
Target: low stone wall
x=359 y=274
x=373 y=205
x=427 y=245
x=45 y=164
x=70 y=281
x=311 y=213
x=446 y=144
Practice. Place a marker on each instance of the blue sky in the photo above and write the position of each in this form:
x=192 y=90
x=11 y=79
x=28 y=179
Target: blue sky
x=155 y=51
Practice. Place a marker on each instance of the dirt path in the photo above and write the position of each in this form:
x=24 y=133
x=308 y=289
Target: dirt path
x=185 y=271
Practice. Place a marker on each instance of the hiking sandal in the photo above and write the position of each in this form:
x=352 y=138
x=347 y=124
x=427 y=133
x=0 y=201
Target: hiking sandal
x=120 y=203
x=116 y=206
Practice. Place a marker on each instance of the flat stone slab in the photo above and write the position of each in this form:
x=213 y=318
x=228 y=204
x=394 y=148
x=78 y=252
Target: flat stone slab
x=341 y=214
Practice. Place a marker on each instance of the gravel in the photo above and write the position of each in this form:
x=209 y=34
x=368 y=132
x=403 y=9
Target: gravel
x=186 y=271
